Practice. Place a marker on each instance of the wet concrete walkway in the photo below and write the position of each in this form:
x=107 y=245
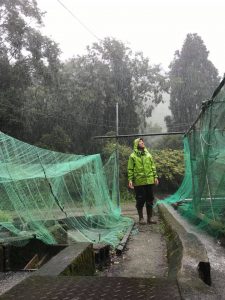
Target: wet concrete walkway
x=139 y=273
x=145 y=252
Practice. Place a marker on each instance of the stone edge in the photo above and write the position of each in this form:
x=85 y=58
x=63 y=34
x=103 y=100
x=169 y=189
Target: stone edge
x=187 y=258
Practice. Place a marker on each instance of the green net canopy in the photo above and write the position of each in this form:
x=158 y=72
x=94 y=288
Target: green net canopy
x=203 y=189
x=55 y=196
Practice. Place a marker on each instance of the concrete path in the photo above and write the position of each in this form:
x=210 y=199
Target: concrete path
x=139 y=273
x=145 y=252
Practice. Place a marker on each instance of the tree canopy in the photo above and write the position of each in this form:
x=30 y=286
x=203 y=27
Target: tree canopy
x=193 y=78
x=43 y=98
x=28 y=60
x=108 y=74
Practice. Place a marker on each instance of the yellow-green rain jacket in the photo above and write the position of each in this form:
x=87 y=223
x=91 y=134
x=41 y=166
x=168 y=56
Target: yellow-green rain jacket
x=141 y=167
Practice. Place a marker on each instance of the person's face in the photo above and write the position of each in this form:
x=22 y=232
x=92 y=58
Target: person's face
x=141 y=144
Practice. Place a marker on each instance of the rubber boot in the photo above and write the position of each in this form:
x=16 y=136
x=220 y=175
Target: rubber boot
x=141 y=218
x=149 y=215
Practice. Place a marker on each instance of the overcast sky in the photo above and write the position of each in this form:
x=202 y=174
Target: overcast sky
x=155 y=27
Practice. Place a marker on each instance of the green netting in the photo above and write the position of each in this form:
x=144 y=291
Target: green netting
x=202 y=192
x=57 y=197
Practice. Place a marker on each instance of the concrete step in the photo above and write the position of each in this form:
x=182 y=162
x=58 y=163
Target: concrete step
x=93 y=288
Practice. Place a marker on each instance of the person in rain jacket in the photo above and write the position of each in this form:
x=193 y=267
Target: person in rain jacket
x=142 y=177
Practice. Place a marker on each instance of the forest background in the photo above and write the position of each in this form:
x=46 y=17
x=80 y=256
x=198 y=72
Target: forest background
x=62 y=105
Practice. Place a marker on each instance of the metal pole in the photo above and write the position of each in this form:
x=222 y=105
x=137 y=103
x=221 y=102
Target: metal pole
x=117 y=155
x=137 y=135
x=117 y=119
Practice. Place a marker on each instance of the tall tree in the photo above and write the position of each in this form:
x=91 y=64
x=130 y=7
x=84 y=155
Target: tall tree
x=27 y=59
x=193 y=79
x=108 y=74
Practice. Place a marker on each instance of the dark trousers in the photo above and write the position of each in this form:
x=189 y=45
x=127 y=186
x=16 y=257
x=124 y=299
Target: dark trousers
x=144 y=196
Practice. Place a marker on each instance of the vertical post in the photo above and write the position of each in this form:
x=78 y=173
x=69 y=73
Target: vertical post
x=117 y=155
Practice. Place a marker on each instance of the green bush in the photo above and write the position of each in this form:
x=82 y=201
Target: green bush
x=169 y=164
x=170 y=168
x=174 y=142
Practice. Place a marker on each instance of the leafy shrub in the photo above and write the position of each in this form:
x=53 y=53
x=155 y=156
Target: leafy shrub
x=169 y=164
x=170 y=168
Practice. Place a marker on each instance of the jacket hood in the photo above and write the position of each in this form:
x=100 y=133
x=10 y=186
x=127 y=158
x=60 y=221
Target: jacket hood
x=136 y=141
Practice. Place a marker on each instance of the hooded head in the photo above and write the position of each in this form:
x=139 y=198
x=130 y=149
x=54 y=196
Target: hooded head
x=139 y=145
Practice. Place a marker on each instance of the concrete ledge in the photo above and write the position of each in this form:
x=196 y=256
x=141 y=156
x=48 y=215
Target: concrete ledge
x=74 y=260
x=123 y=242
x=187 y=258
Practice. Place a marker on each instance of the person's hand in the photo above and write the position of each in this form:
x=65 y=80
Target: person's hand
x=156 y=181
x=130 y=185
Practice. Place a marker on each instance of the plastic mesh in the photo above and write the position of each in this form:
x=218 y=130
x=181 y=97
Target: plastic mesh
x=57 y=197
x=202 y=192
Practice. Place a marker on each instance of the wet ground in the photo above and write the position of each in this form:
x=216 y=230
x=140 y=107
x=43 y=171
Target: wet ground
x=9 y=279
x=139 y=273
x=215 y=252
x=145 y=254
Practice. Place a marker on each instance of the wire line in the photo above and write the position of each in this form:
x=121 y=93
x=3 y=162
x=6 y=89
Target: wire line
x=78 y=20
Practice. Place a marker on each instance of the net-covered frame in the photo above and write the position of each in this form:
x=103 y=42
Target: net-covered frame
x=48 y=195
